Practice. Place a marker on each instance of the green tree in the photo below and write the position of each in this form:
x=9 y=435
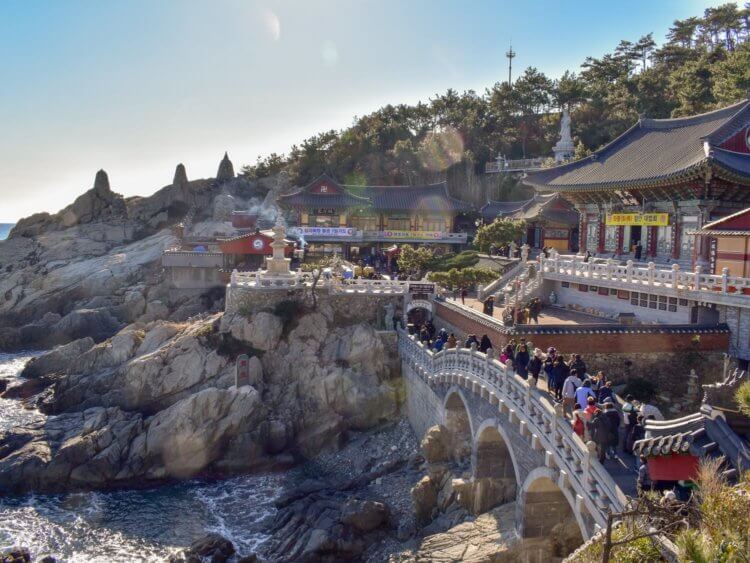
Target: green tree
x=742 y=396
x=414 y=260
x=464 y=277
x=498 y=233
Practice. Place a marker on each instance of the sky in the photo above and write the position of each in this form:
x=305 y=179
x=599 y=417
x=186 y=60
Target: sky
x=137 y=86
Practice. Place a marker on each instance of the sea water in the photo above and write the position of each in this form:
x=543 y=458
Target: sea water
x=130 y=525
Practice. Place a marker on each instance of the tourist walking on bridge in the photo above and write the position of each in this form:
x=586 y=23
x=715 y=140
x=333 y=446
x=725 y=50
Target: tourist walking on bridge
x=570 y=386
x=578 y=364
x=522 y=361
x=560 y=372
x=485 y=344
x=535 y=365
x=472 y=339
x=599 y=431
x=451 y=342
x=613 y=427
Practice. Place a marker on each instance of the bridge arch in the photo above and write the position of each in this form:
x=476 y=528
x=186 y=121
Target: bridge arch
x=549 y=512
x=457 y=419
x=495 y=470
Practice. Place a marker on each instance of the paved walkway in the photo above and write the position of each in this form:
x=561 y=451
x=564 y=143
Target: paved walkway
x=549 y=315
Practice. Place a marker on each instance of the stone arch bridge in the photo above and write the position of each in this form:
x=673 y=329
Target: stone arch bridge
x=521 y=446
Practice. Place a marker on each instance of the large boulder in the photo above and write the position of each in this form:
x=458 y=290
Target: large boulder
x=365 y=515
x=59 y=360
x=190 y=435
x=436 y=444
x=262 y=330
x=213 y=547
x=98 y=324
x=424 y=495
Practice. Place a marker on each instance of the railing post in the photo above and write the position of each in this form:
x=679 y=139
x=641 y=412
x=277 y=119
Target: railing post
x=588 y=479
x=610 y=267
x=697 y=282
x=651 y=272
x=724 y=280
x=675 y=275
x=629 y=271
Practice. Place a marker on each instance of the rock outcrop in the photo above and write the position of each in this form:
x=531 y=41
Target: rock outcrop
x=158 y=402
x=225 y=172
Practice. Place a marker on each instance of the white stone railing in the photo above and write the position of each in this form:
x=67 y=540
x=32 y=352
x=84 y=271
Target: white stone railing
x=261 y=280
x=547 y=430
x=724 y=289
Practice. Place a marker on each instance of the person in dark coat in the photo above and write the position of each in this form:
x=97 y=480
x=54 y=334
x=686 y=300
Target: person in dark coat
x=535 y=365
x=605 y=393
x=613 y=426
x=638 y=250
x=424 y=335
x=598 y=428
x=630 y=414
x=560 y=372
x=577 y=363
x=522 y=361
x=472 y=339
x=485 y=344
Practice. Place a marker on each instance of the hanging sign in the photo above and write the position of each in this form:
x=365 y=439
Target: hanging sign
x=322 y=231
x=637 y=219
x=412 y=234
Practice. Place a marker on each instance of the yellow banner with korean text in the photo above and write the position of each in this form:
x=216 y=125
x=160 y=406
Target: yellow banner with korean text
x=637 y=219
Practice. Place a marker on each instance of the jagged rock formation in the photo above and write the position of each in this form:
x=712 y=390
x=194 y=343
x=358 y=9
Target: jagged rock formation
x=226 y=170
x=180 y=176
x=98 y=204
x=158 y=402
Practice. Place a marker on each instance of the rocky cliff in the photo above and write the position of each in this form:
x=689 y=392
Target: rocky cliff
x=95 y=265
x=157 y=401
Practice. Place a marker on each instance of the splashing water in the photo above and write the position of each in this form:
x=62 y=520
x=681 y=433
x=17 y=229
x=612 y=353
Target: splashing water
x=144 y=525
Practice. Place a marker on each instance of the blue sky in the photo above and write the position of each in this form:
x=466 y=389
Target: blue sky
x=137 y=86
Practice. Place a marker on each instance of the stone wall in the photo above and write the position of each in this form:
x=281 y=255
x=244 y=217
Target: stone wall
x=347 y=308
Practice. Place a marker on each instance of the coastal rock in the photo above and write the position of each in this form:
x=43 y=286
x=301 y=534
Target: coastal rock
x=57 y=360
x=424 y=496
x=436 y=445
x=98 y=324
x=261 y=331
x=365 y=515
x=16 y=555
x=215 y=547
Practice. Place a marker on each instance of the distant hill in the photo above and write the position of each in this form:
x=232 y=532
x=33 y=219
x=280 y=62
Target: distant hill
x=5 y=229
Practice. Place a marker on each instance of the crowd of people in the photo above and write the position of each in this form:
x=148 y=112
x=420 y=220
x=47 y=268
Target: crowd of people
x=588 y=400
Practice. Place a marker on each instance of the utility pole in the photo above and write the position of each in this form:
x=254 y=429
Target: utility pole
x=510 y=54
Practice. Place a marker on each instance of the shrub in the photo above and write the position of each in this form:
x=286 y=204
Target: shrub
x=742 y=396
x=451 y=260
x=641 y=389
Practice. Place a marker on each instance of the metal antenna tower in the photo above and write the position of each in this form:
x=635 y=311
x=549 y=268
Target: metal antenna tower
x=510 y=54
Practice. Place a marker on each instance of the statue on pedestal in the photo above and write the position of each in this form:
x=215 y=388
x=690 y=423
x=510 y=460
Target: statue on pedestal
x=564 y=149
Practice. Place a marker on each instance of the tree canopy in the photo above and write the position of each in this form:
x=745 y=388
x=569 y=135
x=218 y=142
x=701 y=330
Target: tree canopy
x=703 y=64
x=498 y=233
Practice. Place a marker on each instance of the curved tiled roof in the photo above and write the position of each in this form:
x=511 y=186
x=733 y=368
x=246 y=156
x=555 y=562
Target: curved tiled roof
x=652 y=150
x=536 y=207
x=304 y=199
x=430 y=197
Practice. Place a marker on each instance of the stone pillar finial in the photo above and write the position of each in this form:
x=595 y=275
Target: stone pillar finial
x=180 y=176
x=101 y=182
x=226 y=169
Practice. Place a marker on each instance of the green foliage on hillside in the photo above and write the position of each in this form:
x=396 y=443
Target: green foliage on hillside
x=703 y=64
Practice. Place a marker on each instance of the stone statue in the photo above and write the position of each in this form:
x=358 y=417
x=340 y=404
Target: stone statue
x=512 y=246
x=565 y=136
x=564 y=149
x=390 y=310
x=552 y=298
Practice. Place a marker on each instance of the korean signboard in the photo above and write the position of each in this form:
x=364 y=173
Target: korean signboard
x=322 y=231
x=637 y=219
x=412 y=234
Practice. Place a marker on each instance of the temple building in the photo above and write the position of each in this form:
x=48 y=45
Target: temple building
x=551 y=221
x=359 y=220
x=645 y=194
x=728 y=239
